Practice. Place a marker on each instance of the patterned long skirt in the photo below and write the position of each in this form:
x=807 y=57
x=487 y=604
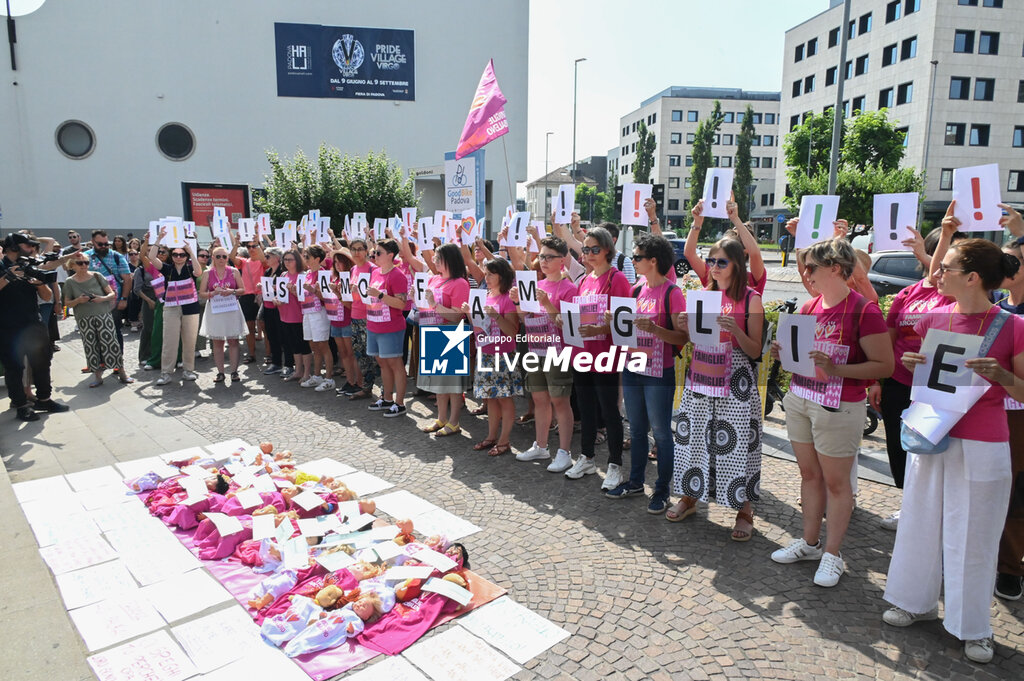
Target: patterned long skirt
x=99 y=338
x=718 y=441
x=367 y=364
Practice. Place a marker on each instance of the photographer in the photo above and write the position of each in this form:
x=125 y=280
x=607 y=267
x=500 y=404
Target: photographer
x=22 y=333
x=114 y=268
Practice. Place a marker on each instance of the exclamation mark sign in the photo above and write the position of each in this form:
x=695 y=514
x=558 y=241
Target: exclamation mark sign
x=561 y=202
x=894 y=216
x=714 y=191
x=636 y=204
x=976 y=196
x=816 y=229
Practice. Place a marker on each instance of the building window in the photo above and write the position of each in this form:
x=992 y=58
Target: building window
x=849 y=70
x=727 y=140
x=959 y=87
x=739 y=116
x=851 y=32
x=673 y=183
x=984 y=89
x=911 y=6
x=967 y=3
x=889 y=55
x=963 y=41
x=757 y=118
x=717 y=139
x=75 y=139
x=677 y=116
x=729 y=116
x=946 y=179
x=727 y=161
x=812 y=47
x=691 y=116
x=175 y=141
x=1020 y=91
x=673 y=204
x=992 y=3
x=766 y=161
x=859 y=104
x=988 y=42
x=908 y=48
x=768 y=140
x=755 y=141
x=979 y=135
x=865 y=24
x=905 y=131
x=769 y=118
x=798 y=53
x=955 y=134
x=885 y=98
x=687 y=183
x=830 y=76
x=794 y=121
x=689 y=161
x=625 y=169
x=633 y=128
x=846 y=108
x=808 y=85
x=862 y=65
x=805 y=115
x=1016 y=183
x=673 y=161
x=905 y=93
x=714 y=161
x=1018 y=136
x=690 y=137
x=796 y=88
x=654 y=118
x=755 y=162
x=833 y=37
x=675 y=138
x=892 y=11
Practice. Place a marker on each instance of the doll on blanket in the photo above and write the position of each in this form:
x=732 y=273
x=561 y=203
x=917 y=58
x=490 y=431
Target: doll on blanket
x=330 y=504
x=233 y=506
x=345 y=579
x=212 y=546
x=334 y=627
x=173 y=511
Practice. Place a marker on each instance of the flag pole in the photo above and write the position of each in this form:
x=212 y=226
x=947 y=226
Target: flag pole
x=508 y=173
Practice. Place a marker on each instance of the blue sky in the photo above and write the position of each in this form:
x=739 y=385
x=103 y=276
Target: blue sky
x=636 y=48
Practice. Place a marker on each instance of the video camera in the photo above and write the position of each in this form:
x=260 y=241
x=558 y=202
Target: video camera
x=31 y=267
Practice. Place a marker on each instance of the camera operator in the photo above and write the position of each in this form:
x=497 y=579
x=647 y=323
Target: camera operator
x=114 y=268
x=23 y=336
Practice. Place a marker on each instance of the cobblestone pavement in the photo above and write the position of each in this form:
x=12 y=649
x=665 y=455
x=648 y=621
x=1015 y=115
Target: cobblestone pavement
x=642 y=598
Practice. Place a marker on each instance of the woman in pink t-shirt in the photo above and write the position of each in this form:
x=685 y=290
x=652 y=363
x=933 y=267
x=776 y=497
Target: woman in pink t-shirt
x=825 y=412
x=954 y=502
x=367 y=364
x=291 y=317
x=340 y=313
x=757 y=274
x=385 y=327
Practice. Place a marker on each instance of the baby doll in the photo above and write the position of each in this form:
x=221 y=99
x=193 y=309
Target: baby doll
x=144 y=483
x=336 y=626
x=277 y=584
x=437 y=542
x=405 y=535
x=283 y=627
x=340 y=489
x=289 y=493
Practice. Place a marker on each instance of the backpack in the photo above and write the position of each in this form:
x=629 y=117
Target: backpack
x=746 y=327
x=621 y=262
x=677 y=351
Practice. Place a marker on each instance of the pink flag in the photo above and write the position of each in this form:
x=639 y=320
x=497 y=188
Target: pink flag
x=486 y=120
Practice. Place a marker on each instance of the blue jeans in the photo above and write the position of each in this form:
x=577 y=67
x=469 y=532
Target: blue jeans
x=649 y=406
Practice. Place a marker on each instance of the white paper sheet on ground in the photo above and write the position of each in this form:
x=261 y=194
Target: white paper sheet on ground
x=265 y=484
x=571 y=324
x=403 y=504
x=295 y=553
x=365 y=484
x=892 y=215
x=518 y=632
x=184 y=454
x=387 y=550
x=943 y=381
x=389 y=669
x=153 y=658
x=258 y=664
x=77 y=553
x=262 y=527
x=633 y=197
x=44 y=509
x=246 y=477
x=51 y=530
x=225 y=448
x=335 y=560
x=249 y=498
x=150 y=464
x=383 y=533
x=162 y=563
x=94 y=477
x=226 y=525
x=94 y=584
x=448 y=590
x=702 y=311
x=195 y=488
x=717 y=186
x=122 y=515
x=195 y=470
x=356 y=524
x=357 y=540
x=441 y=522
x=931 y=423
x=796 y=340
x=976 y=191
x=184 y=595
x=404 y=572
x=146 y=533
x=526 y=285
x=308 y=500
x=328 y=467
x=623 y=317
x=563 y=204
x=108 y=495
x=248 y=454
x=218 y=639
x=434 y=559
x=457 y=655
x=44 y=488
x=116 y=619
x=817 y=213
x=319 y=526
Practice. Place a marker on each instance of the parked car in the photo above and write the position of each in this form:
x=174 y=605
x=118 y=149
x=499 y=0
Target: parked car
x=681 y=264
x=892 y=271
x=863 y=242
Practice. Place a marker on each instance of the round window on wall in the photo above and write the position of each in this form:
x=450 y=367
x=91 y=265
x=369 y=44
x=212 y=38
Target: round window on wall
x=175 y=141
x=75 y=139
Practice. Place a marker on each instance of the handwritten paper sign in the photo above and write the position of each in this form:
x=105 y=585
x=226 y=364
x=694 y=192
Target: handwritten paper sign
x=457 y=655
x=424 y=236
x=633 y=197
x=623 y=321
x=717 y=187
x=893 y=215
x=120 y=617
x=246 y=229
x=94 y=584
x=408 y=221
x=977 y=194
x=704 y=308
x=563 y=205
x=448 y=590
x=186 y=594
x=220 y=638
x=153 y=658
x=77 y=553
x=363 y=287
x=174 y=233
x=516 y=631
x=817 y=213
x=263 y=227
x=943 y=381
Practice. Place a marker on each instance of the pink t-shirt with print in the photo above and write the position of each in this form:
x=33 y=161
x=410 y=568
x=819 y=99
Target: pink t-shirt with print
x=358 y=306
x=291 y=312
x=907 y=309
x=611 y=283
x=650 y=302
x=392 y=284
x=504 y=305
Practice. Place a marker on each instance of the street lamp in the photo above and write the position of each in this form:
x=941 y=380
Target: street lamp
x=547 y=138
x=927 y=139
x=575 y=64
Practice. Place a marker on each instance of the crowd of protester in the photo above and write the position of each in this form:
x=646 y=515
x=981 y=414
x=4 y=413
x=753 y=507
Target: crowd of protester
x=954 y=532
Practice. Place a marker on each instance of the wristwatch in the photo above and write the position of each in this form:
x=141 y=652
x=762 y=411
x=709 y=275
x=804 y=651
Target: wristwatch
x=380 y=296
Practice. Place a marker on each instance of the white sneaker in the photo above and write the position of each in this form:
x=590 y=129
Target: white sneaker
x=148 y=367
x=311 y=382
x=612 y=477
x=563 y=462
x=583 y=466
x=164 y=379
x=534 y=453
x=797 y=551
x=898 y=617
x=327 y=384
x=190 y=376
x=892 y=522
x=979 y=650
x=830 y=569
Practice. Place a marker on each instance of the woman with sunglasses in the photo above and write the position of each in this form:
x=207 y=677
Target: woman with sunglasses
x=150 y=285
x=181 y=310
x=385 y=327
x=367 y=364
x=281 y=359
x=291 y=318
x=825 y=412
x=203 y=255
x=954 y=502
x=220 y=287
x=89 y=295
x=757 y=274
x=596 y=390
x=718 y=457
x=316 y=327
x=339 y=311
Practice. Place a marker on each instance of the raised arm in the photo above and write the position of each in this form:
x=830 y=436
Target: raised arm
x=690 y=249
x=755 y=265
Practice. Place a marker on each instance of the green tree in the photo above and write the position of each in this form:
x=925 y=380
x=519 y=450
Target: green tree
x=613 y=182
x=870 y=139
x=703 y=141
x=602 y=202
x=857 y=187
x=645 y=146
x=815 y=131
x=337 y=185
x=744 y=175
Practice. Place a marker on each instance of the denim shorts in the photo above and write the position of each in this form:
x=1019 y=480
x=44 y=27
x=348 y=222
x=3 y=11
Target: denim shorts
x=385 y=345
x=341 y=331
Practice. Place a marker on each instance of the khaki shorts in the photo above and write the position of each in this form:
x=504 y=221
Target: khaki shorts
x=833 y=433
x=556 y=383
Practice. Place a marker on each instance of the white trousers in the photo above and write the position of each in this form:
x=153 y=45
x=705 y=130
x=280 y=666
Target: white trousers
x=954 y=505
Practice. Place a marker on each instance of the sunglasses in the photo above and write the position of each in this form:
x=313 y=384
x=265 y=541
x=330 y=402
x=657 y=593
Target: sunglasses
x=161 y=252
x=591 y=250
x=546 y=257
x=100 y=244
x=943 y=269
x=720 y=263
x=358 y=249
x=637 y=258
x=133 y=252
x=179 y=255
x=80 y=262
x=218 y=257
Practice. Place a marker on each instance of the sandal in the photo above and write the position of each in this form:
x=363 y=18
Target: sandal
x=479 y=411
x=362 y=394
x=652 y=455
x=448 y=430
x=601 y=437
x=219 y=378
x=124 y=378
x=524 y=419
x=96 y=384
x=682 y=510
x=498 y=450
x=436 y=426
x=234 y=377
x=743 y=535
x=484 y=444
x=627 y=443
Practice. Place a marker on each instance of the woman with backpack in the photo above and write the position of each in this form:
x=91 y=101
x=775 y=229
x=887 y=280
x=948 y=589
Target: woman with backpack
x=718 y=426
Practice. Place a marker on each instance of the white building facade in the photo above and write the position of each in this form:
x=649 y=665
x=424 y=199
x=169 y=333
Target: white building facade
x=673 y=116
x=116 y=103
x=972 y=48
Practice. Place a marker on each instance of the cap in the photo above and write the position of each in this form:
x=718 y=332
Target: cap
x=15 y=240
